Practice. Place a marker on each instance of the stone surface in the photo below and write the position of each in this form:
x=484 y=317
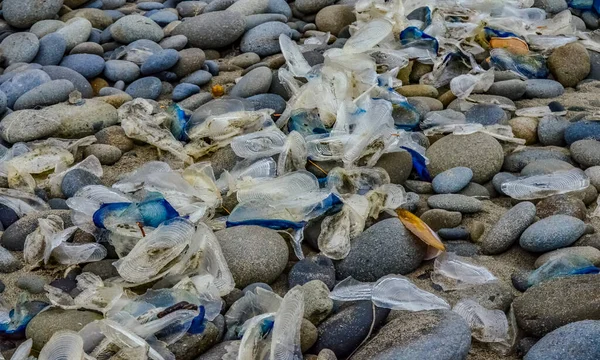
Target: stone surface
x=385 y=248
x=13 y=238
x=214 y=30
x=334 y=18
x=254 y=254
x=569 y=64
x=115 y=136
x=576 y=339
x=46 y=94
x=551 y=233
x=563 y=204
x=479 y=152
x=312 y=6
x=543 y=88
x=545 y=166
x=255 y=82
x=191 y=346
x=21 y=83
x=107 y=154
x=512 y=89
x=28 y=125
x=78 y=121
x=19 y=47
x=509 y=228
x=452 y=180
x=264 y=38
x=76 y=179
x=440 y=335
x=439 y=219
x=147 y=88
x=397 y=164
x=516 y=161
x=24 y=13
x=8 y=263
x=317 y=304
x=31 y=283
x=455 y=202
x=41 y=328
x=586 y=152
x=135 y=27
x=557 y=302
x=318 y=267
x=525 y=128
x=75 y=31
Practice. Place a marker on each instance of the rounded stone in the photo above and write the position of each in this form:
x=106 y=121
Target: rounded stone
x=19 y=47
x=21 y=83
x=41 y=328
x=198 y=77
x=190 y=8
x=525 y=128
x=81 y=84
x=8 y=262
x=586 y=152
x=455 y=202
x=557 y=302
x=190 y=60
x=551 y=233
x=255 y=82
x=452 y=180
x=509 y=228
x=177 y=42
x=516 y=161
x=578 y=338
x=334 y=18
x=76 y=179
x=45 y=27
x=253 y=254
x=268 y=101
x=13 y=238
x=486 y=114
x=107 y=154
x=312 y=6
x=563 y=204
x=318 y=267
x=160 y=61
x=317 y=304
x=582 y=130
x=135 y=27
x=147 y=87
x=545 y=166
x=88 y=65
x=77 y=121
x=28 y=125
x=184 y=90
x=249 y=7
x=24 y=13
x=438 y=219
x=103 y=268
x=543 y=88
x=115 y=136
x=586 y=252
x=31 y=283
x=385 y=248
x=213 y=30
x=512 y=89
x=51 y=50
x=397 y=164
x=479 y=152
x=569 y=64
x=126 y=71
x=551 y=130
x=594 y=174
x=99 y=19
x=264 y=38
x=88 y=48
x=76 y=31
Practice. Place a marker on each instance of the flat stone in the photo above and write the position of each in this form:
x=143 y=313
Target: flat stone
x=509 y=228
x=25 y=13
x=147 y=88
x=212 y=30
x=438 y=219
x=543 y=88
x=334 y=18
x=75 y=31
x=77 y=121
x=19 y=47
x=512 y=89
x=255 y=82
x=41 y=328
x=397 y=164
x=551 y=233
x=586 y=152
x=318 y=267
x=46 y=94
x=264 y=38
x=516 y=161
x=452 y=180
x=575 y=338
x=60 y=72
x=563 y=204
x=135 y=27
x=455 y=202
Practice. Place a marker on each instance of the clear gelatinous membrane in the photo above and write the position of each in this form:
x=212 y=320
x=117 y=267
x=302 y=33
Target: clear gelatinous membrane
x=561 y=266
x=323 y=147
x=294 y=58
x=453 y=272
x=368 y=36
x=542 y=186
x=93 y=294
x=213 y=108
x=135 y=180
x=357 y=180
x=350 y=289
x=22 y=352
x=463 y=85
x=398 y=293
x=90 y=164
x=285 y=341
x=293 y=155
x=254 y=343
x=486 y=325
x=279 y=188
x=22 y=203
x=63 y=345
x=247 y=170
x=227 y=126
x=259 y=144
x=441 y=118
x=531 y=66
x=253 y=303
x=124 y=338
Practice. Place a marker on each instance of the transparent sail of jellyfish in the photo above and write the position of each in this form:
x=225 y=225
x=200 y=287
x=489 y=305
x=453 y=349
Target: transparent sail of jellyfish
x=398 y=293
x=90 y=163
x=359 y=180
x=453 y=272
x=64 y=344
x=368 y=36
x=151 y=256
x=463 y=85
x=285 y=342
x=22 y=352
x=88 y=200
x=293 y=155
x=441 y=118
x=338 y=229
x=226 y=126
x=246 y=171
x=135 y=180
x=255 y=340
x=295 y=60
x=259 y=144
x=253 y=303
x=324 y=147
x=214 y=260
x=49 y=234
x=542 y=186
x=350 y=289
x=562 y=266
x=488 y=326
x=385 y=197
x=22 y=203
x=279 y=188
x=120 y=337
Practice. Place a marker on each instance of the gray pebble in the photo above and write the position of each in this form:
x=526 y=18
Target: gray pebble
x=509 y=228
x=452 y=180
x=551 y=233
x=32 y=283
x=543 y=88
x=255 y=82
x=455 y=202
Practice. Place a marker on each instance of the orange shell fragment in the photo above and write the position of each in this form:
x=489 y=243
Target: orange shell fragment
x=420 y=229
x=217 y=90
x=515 y=45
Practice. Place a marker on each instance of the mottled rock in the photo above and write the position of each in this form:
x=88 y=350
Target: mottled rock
x=509 y=228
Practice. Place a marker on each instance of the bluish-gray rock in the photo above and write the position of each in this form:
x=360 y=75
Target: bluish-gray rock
x=517 y=160
x=455 y=202
x=61 y=72
x=22 y=83
x=76 y=31
x=452 y=180
x=551 y=130
x=8 y=263
x=486 y=114
x=551 y=6
x=24 y=13
x=217 y=5
x=115 y=70
x=509 y=228
x=198 y=77
x=586 y=152
x=279 y=7
x=582 y=130
x=160 y=61
x=264 y=39
x=3 y=103
x=190 y=8
x=385 y=248
x=76 y=179
x=253 y=21
x=439 y=335
x=578 y=340
x=312 y=6
x=213 y=30
x=150 y=5
x=88 y=65
x=177 y=42
x=135 y=27
x=543 y=88
x=511 y=89
x=112 y=4
x=552 y=233
x=45 y=27
x=345 y=330
x=137 y=52
x=455 y=233
x=19 y=47
x=249 y=7
x=268 y=101
x=52 y=49
x=88 y=48
x=318 y=267
x=47 y=94
x=184 y=90
x=147 y=87
x=255 y=82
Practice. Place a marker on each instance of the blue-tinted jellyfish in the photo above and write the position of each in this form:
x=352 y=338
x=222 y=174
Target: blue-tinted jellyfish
x=422 y=14
x=179 y=122
x=584 y=4
x=419 y=164
x=150 y=212
x=19 y=317
x=562 y=266
x=413 y=37
x=306 y=122
x=531 y=66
